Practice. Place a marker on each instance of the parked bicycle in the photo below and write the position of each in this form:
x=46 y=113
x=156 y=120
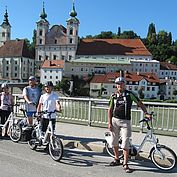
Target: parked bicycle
x=49 y=139
x=11 y=127
x=162 y=156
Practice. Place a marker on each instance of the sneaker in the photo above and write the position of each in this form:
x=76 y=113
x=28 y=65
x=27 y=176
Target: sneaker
x=115 y=162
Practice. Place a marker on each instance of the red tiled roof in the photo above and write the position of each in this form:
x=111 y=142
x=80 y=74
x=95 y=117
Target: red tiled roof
x=53 y=64
x=112 y=47
x=134 y=77
x=167 y=66
x=15 y=48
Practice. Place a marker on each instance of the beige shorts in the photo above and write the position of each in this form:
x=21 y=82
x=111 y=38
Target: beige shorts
x=121 y=128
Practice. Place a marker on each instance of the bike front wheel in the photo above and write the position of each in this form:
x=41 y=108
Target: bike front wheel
x=32 y=142
x=15 y=133
x=55 y=148
x=163 y=157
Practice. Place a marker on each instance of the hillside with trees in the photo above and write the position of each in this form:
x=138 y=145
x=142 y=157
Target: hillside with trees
x=159 y=44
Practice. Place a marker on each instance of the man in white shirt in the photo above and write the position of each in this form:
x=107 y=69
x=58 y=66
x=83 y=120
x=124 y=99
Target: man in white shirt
x=48 y=102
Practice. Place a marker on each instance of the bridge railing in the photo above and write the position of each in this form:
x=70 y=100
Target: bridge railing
x=93 y=112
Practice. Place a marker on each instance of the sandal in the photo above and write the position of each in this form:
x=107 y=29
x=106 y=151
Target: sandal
x=115 y=162
x=127 y=169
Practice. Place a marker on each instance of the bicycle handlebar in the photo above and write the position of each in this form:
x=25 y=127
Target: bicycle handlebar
x=147 y=119
x=48 y=112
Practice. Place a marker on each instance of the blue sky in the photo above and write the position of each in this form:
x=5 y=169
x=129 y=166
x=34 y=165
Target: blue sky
x=94 y=15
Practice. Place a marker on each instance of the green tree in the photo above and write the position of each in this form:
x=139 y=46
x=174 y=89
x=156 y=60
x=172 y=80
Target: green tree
x=106 y=35
x=128 y=35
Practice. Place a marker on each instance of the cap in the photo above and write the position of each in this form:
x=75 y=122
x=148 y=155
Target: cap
x=119 y=80
x=48 y=84
x=32 y=78
x=4 y=85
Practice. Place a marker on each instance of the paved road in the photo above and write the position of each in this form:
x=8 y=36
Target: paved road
x=16 y=159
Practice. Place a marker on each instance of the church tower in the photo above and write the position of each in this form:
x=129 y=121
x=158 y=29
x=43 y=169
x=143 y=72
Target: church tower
x=72 y=27
x=5 y=29
x=42 y=28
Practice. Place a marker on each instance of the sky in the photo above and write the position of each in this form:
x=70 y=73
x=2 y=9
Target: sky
x=95 y=16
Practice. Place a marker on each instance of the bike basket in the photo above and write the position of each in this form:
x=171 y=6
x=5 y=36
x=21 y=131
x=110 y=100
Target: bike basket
x=109 y=138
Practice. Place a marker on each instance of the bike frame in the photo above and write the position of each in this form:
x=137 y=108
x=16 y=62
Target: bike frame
x=11 y=120
x=49 y=133
x=149 y=137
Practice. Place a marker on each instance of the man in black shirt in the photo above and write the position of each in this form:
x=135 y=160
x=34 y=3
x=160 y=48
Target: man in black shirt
x=119 y=120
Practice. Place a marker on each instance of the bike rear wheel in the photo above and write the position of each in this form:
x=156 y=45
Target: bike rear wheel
x=110 y=151
x=15 y=133
x=56 y=148
x=163 y=157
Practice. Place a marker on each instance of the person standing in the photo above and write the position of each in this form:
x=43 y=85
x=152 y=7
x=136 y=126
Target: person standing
x=31 y=94
x=48 y=102
x=119 y=120
x=6 y=103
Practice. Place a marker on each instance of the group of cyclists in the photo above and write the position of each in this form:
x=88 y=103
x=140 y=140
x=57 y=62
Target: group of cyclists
x=119 y=112
x=35 y=102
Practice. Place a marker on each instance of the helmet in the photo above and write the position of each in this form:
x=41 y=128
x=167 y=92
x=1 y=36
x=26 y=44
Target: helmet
x=119 y=80
x=32 y=78
x=48 y=84
x=4 y=85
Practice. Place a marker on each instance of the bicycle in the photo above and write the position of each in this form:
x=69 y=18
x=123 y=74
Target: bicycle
x=49 y=139
x=11 y=126
x=162 y=156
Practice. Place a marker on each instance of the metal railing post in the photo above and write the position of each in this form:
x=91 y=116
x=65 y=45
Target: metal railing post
x=89 y=113
x=141 y=124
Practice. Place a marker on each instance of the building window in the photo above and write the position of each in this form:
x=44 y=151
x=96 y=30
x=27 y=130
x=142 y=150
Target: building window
x=50 y=77
x=71 y=31
x=8 y=34
x=15 y=68
x=56 y=77
x=54 y=57
x=136 y=87
x=7 y=68
x=70 y=40
x=40 y=57
x=40 y=33
x=70 y=57
x=40 y=41
x=45 y=77
x=3 y=34
x=62 y=57
x=55 y=41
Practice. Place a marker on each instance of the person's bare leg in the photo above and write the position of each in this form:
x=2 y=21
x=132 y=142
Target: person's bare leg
x=125 y=163
x=30 y=121
x=116 y=152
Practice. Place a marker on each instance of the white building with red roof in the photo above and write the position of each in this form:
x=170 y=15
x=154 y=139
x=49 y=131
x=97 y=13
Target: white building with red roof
x=168 y=70
x=103 y=85
x=52 y=70
x=111 y=55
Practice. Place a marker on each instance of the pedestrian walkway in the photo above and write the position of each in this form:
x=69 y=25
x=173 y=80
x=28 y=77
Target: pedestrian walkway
x=91 y=138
